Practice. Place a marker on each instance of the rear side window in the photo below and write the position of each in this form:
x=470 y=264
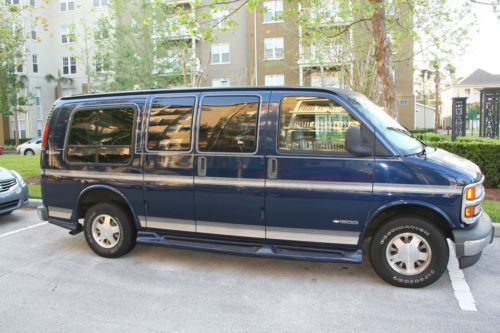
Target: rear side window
x=170 y=124
x=101 y=135
x=313 y=124
x=229 y=124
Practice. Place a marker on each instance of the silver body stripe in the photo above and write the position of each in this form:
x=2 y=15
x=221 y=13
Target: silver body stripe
x=313 y=235
x=62 y=213
x=94 y=175
x=169 y=180
x=241 y=230
x=412 y=188
x=170 y=224
x=238 y=182
x=318 y=185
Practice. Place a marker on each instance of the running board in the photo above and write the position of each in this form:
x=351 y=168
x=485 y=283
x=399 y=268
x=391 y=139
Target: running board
x=246 y=248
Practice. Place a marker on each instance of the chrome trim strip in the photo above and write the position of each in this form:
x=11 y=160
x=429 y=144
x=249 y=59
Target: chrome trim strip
x=237 y=182
x=313 y=235
x=318 y=185
x=171 y=224
x=62 y=213
x=94 y=175
x=142 y=220
x=413 y=188
x=169 y=179
x=230 y=229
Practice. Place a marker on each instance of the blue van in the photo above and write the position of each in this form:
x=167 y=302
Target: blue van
x=295 y=173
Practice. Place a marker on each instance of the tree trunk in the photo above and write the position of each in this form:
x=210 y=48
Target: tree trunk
x=16 y=132
x=383 y=55
x=437 y=82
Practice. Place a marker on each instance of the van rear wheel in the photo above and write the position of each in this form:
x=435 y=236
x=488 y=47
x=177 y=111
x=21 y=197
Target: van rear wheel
x=109 y=230
x=409 y=251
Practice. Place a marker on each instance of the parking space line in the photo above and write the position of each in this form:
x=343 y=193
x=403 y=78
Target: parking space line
x=460 y=287
x=23 y=229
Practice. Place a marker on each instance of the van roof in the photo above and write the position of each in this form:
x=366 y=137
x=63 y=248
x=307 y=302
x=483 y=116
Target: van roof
x=337 y=91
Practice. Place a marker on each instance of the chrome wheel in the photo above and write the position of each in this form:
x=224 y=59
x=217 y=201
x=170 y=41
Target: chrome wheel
x=408 y=253
x=105 y=231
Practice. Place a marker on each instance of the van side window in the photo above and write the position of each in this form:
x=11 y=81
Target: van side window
x=170 y=124
x=101 y=135
x=313 y=124
x=229 y=124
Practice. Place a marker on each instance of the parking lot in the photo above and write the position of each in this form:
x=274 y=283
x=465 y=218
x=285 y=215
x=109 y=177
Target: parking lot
x=51 y=281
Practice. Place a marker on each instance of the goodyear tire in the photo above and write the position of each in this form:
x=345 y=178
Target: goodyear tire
x=109 y=230
x=409 y=252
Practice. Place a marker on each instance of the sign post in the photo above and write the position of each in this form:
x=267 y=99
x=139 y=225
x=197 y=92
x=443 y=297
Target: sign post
x=458 y=117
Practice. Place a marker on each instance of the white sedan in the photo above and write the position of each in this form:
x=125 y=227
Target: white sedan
x=31 y=147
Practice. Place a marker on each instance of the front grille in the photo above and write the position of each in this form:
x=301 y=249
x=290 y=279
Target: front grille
x=10 y=204
x=6 y=185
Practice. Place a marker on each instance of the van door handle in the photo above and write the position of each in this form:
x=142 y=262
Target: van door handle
x=272 y=168
x=202 y=166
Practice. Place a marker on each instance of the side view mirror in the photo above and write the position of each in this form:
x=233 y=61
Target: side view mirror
x=355 y=144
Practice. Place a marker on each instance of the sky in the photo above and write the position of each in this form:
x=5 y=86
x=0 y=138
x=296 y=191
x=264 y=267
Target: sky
x=484 y=49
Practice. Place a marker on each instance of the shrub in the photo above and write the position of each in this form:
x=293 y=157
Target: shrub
x=432 y=137
x=485 y=153
x=12 y=142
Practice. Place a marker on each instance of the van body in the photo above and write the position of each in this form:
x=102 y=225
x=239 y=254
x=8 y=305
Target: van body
x=286 y=172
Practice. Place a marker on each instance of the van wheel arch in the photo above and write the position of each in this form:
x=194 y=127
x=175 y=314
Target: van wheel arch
x=392 y=212
x=98 y=194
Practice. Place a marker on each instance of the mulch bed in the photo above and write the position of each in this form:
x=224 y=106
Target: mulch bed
x=493 y=194
x=32 y=180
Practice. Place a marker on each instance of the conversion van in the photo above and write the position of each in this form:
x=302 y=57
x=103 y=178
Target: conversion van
x=294 y=173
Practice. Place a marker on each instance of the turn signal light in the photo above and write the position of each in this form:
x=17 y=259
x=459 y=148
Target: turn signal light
x=469 y=211
x=44 y=135
x=471 y=193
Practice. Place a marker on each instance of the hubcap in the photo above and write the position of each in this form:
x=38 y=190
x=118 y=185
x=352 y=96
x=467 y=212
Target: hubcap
x=106 y=231
x=408 y=254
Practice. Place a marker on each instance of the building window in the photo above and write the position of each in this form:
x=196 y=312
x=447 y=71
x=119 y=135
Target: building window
x=102 y=64
x=101 y=135
x=100 y=3
x=274 y=48
x=69 y=65
x=12 y=2
x=273 y=11
x=274 y=80
x=67 y=36
x=218 y=19
x=33 y=34
x=39 y=127
x=221 y=82
x=66 y=5
x=22 y=129
x=32 y=3
x=313 y=124
x=35 y=63
x=19 y=65
x=220 y=53
x=229 y=124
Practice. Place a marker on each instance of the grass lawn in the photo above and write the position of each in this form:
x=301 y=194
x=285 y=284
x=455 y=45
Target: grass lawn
x=29 y=166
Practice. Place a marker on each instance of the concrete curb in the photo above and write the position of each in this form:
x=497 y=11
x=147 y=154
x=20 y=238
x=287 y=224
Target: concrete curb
x=34 y=203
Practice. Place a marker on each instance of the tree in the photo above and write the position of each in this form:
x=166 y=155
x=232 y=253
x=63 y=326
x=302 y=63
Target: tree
x=473 y=110
x=60 y=80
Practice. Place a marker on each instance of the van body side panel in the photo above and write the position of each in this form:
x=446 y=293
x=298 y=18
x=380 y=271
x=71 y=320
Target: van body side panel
x=229 y=196
x=64 y=181
x=320 y=197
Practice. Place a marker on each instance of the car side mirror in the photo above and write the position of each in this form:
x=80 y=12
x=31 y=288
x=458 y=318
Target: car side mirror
x=355 y=143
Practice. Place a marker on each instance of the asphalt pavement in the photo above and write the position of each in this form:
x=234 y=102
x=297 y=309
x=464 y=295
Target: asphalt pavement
x=51 y=281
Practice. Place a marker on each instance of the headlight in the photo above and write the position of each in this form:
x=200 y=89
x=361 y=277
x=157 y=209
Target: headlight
x=471 y=202
x=18 y=176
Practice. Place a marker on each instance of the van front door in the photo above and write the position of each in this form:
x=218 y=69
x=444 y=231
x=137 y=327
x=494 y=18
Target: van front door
x=230 y=166
x=169 y=163
x=316 y=191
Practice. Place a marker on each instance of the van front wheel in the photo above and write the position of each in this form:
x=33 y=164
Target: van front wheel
x=409 y=252
x=109 y=230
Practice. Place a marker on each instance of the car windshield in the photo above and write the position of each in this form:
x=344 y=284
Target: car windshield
x=390 y=128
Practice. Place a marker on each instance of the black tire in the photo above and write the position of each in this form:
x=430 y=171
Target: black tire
x=432 y=269
x=29 y=152
x=127 y=236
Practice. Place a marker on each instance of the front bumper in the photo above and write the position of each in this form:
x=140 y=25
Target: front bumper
x=15 y=198
x=469 y=243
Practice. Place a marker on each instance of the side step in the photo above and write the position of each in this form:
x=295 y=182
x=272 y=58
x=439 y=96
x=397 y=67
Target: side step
x=249 y=248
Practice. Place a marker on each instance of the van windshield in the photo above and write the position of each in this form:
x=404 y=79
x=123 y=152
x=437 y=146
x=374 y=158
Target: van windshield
x=401 y=138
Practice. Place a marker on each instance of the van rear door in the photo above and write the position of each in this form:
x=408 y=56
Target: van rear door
x=316 y=191
x=230 y=165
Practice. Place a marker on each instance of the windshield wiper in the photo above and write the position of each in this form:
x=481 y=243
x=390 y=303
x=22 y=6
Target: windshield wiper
x=407 y=133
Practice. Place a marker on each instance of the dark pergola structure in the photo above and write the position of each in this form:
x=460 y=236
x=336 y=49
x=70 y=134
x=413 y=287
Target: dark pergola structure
x=490 y=113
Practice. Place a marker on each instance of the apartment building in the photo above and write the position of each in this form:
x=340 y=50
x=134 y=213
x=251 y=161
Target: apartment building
x=265 y=48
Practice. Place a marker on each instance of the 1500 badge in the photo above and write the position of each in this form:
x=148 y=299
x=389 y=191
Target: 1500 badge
x=345 y=222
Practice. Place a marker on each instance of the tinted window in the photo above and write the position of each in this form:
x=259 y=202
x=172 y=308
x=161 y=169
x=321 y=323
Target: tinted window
x=170 y=124
x=101 y=135
x=313 y=124
x=229 y=124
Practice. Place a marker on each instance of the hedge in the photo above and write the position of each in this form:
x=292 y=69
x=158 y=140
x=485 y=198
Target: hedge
x=484 y=152
x=12 y=142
